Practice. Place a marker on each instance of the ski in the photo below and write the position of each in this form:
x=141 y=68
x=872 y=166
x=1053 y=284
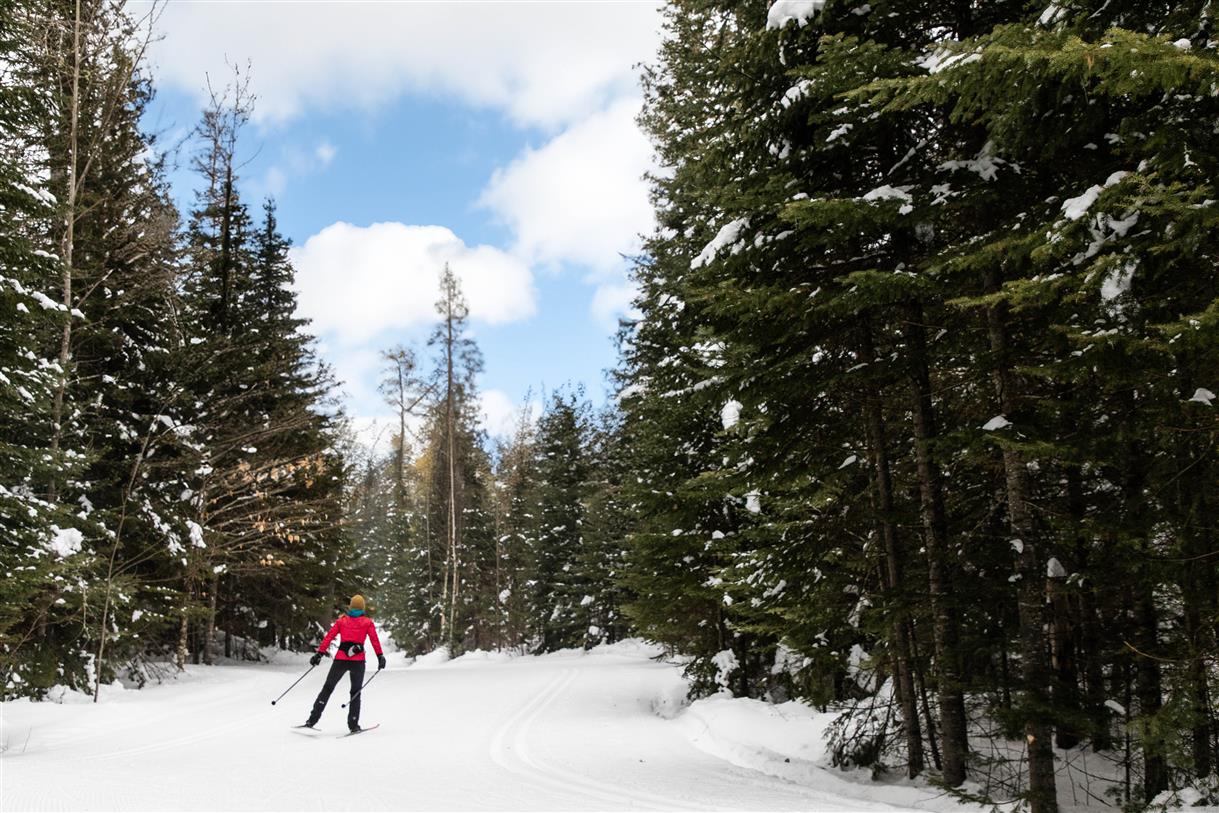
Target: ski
x=361 y=731
x=307 y=730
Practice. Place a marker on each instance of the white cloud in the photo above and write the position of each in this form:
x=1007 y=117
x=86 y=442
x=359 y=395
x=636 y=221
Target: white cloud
x=578 y=199
x=358 y=370
x=356 y=282
x=325 y=153
x=581 y=198
x=500 y=414
x=613 y=299
x=376 y=434
x=543 y=63
x=293 y=162
x=274 y=181
x=367 y=288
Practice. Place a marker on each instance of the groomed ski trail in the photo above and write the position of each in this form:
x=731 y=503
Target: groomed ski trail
x=569 y=731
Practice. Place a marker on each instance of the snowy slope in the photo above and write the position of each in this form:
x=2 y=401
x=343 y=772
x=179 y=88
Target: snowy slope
x=566 y=731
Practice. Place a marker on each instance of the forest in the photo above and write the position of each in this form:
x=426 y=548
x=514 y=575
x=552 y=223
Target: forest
x=914 y=415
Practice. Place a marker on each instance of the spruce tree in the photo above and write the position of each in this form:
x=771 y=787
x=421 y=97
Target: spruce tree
x=560 y=597
x=516 y=479
x=43 y=560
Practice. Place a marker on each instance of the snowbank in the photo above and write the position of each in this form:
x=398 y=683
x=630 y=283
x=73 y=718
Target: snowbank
x=629 y=648
x=438 y=656
x=66 y=695
x=785 y=740
x=788 y=740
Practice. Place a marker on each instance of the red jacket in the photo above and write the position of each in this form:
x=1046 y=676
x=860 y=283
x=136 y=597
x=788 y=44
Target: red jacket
x=351 y=629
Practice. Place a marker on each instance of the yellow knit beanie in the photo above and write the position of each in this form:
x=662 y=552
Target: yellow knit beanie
x=357 y=602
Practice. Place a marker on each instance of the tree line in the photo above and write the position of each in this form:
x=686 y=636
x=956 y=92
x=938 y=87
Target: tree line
x=920 y=412
x=472 y=543
x=171 y=473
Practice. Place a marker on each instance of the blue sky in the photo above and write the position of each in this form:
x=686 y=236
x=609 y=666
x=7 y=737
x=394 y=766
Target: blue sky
x=396 y=136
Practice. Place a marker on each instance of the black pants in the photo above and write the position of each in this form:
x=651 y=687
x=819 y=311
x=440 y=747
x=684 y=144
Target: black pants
x=356 y=670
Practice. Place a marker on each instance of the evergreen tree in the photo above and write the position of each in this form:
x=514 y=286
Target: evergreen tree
x=42 y=557
x=944 y=383
x=516 y=477
x=560 y=599
x=267 y=478
x=602 y=558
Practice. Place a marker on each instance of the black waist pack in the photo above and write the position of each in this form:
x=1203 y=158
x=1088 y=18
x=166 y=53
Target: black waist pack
x=351 y=648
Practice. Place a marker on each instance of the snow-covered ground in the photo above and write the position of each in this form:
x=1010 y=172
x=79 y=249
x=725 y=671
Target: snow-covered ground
x=601 y=730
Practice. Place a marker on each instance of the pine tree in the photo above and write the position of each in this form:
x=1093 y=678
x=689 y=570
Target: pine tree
x=459 y=496
x=560 y=598
x=602 y=558
x=516 y=479
x=864 y=254
x=42 y=558
x=267 y=479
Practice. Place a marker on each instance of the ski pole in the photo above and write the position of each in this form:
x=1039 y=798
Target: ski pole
x=290 y=688
x=362 y=688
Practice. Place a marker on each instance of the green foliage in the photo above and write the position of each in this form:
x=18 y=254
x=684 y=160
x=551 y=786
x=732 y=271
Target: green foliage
x=933 y=285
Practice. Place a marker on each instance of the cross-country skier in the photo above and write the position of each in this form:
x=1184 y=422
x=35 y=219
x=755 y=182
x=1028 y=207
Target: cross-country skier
x=351 y=628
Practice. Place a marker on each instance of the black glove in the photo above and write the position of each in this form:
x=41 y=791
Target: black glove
x=316 y=659
x=380 y=662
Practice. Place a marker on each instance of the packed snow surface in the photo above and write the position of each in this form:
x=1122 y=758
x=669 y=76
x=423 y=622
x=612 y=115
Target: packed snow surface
x=602 y=730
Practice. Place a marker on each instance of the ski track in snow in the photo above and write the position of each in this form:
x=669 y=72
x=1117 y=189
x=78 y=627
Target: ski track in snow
x=570 y=731
x=518 y=758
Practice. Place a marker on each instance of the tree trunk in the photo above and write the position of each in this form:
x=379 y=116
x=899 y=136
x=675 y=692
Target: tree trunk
x=184 y=627
x=917 y=660
x=66 y=250
x=450 y=426
x=1093 y=671
x=1030 y=598
x=1149 y=691
x=226 y=249
x=1062 y=658
x=1200 y=694
x=1088 y=637
x=883 y=491
x=1198 y=590
x=210 y=636
x=499 y=602
x=953 y=733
